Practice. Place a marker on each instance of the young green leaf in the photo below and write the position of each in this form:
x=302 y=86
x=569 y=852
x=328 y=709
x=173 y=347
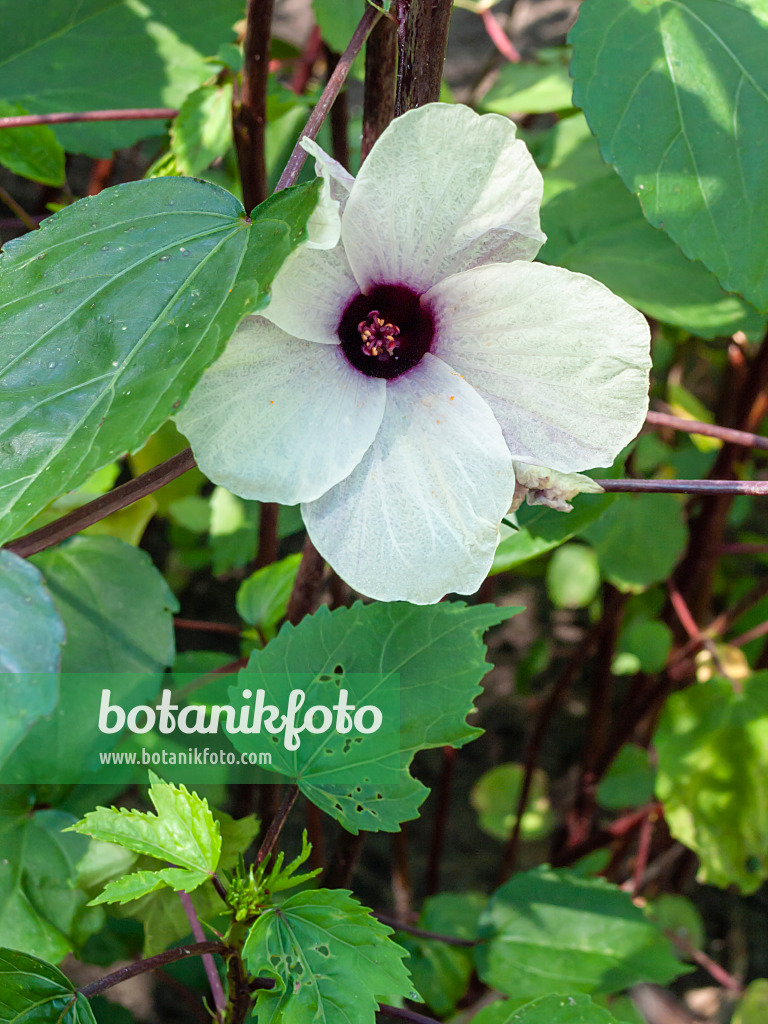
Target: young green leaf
x=548 y=930
x=31 y=635
x=202 y=130
x=141 y=883
x=438 y=652
x=36 y=992
x=112 y=311
x=680 y=112
x=712 y=749
x=109 y=53
x=183 y=831
x=263 y=598
x=328 y=956
x=32 y=152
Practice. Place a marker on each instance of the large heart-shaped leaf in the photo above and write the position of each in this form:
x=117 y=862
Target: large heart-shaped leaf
x=101 y=54
x=111 y=312
x=677 y=93
x=36 y=992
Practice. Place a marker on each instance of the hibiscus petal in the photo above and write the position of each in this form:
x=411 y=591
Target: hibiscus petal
x=310 y=293
x=339 y=179
x=562 y=362
x=443 y=190
x=279 y=419
x=419 y=516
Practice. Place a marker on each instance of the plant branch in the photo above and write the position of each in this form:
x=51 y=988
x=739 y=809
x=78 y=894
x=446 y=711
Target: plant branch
x=29 y=222
x=307 y=581
x=758 y=488
x=170 y=956
x=423 y=37
x=129 y=114
x=727 y=434
x=403 y=1013
x=211 y=972
x=207 y=627
x=249 y=109
x=276 y=825
x=330 y=92
x=103 y=506
x=380 y=82
x=409 y=929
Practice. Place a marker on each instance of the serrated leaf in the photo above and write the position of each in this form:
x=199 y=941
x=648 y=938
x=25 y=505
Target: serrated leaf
x=677 y=93
x=41 y=910
x=142 y=883
x=31 y=635
x=327 y=954
x=639 y=539
x=36 y=992
x=183 y=831
x=109 y=53
x=202 y=130
x=262 y=599
x=548 y=930
x=712 y=750
x=111 y=312
x=439 y=679
x=541 y=529
x=33 y=151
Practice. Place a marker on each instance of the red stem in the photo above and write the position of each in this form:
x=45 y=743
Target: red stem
x=137 y=114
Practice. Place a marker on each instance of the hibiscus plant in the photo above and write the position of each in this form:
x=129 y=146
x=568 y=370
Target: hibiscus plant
x=319 y=383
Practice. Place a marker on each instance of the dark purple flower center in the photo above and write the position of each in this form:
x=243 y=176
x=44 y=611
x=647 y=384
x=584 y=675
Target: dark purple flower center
x=387 y=331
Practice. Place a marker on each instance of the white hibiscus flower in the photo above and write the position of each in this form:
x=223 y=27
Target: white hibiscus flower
x=394 y=379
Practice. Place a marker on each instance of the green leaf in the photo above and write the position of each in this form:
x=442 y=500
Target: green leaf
x=31 y=635
x=326 y=953
x=495 y=794
x=202 y=130
x=649 y=642
x=41 y=910
x=36 y=992
x=573 y=576
x=116 y=606
x=599 y=229
x=629 y=781
x=112 y=311
x=712 y=749
x=546 y=930
x=141 y=883
x=109 y=53
x=677 y=93
x=562 y=1009
x=32 y=152
x=183 y=831
x=679 y=915
x=753 y=1005
x=263 y=598
x=441 y=972
x=118 y=614
x=530 y=89
x=438 y=652
x=541 y=529
x=639 y=539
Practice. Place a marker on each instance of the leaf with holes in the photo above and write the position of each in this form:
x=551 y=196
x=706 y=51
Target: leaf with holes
x=38 y=993
x=101 y=54
x=111 y=312
x=31 y=635
x=677 y=93
x=438 y=654
x=548 y=930
x=328 y=956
